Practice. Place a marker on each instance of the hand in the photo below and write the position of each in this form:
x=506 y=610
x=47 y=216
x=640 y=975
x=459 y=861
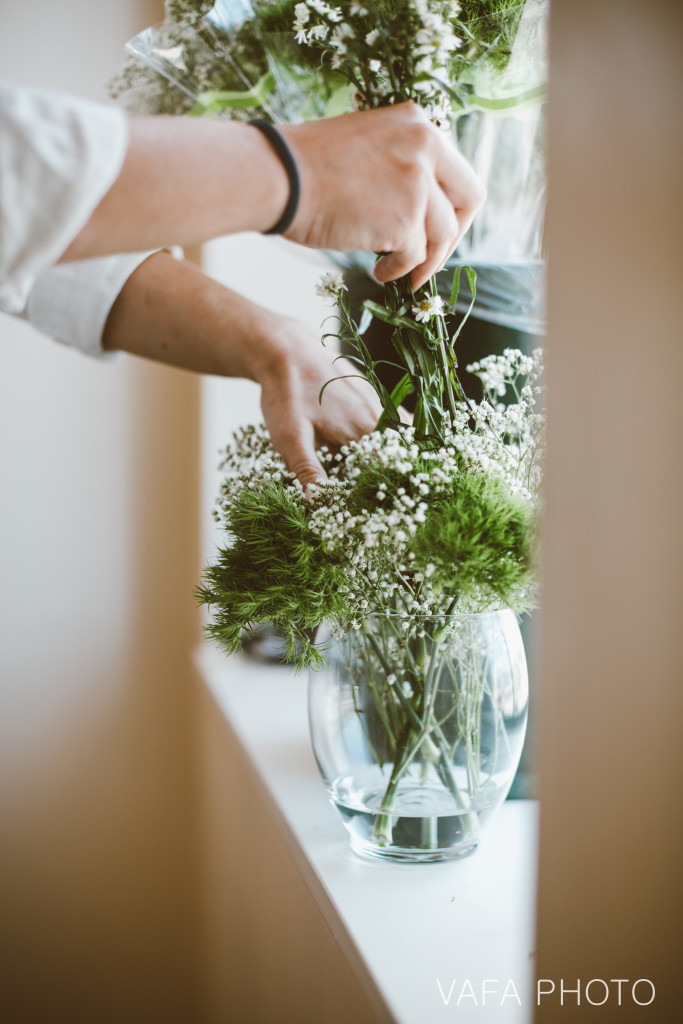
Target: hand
x=383 y=181
x=171 y=312
x=380 y=180
x=297 y=421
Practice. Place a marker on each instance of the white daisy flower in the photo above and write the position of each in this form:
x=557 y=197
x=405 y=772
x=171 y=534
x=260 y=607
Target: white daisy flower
x=330 y=286
x=427 y=307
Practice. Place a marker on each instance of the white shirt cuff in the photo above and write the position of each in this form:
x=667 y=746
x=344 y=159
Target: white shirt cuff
x=71 y=302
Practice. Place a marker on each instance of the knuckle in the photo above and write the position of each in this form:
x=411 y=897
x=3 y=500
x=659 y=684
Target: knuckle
x=419 y=136
x=412 y=112
x=479 y=193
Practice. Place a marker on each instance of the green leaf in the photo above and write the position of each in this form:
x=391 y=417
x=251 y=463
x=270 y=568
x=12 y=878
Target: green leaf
x=388 y=316
x=402 y=390
x=472 y=279
x=344 y=376
x=456 y=286
x=428 y=368
x=340 y=101
x=404 y=351
x=365 y=321
x=419 y=420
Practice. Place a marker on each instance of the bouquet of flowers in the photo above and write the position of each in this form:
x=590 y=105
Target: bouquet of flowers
x=420 y=520
x=417 y=525
x=256 y=57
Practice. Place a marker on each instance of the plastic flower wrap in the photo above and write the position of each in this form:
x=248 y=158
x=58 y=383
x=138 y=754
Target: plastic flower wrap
x=237 y=55
x=209 y=59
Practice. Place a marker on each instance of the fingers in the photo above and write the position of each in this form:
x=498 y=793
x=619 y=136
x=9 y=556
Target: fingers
x=383 y=181
x=453 y=196
x=297 y=448
x=349 y=410
x=293 y=436
x=460 y=185
x=298 y=423
x=442 y=231
x=401 y=261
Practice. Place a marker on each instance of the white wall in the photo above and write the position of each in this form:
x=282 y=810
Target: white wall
x=98 y=559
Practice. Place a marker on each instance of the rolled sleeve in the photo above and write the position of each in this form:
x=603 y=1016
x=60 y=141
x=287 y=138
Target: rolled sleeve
x=71 y=302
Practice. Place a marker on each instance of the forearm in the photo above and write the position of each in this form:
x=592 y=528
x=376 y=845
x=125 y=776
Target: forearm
x=171 y=312
x=379 y=180
x=184 y=181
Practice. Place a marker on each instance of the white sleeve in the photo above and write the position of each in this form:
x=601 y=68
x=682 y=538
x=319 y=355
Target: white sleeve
x=71 y=302
x=59 y=155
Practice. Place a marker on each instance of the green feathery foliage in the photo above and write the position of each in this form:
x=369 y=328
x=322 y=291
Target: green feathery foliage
x=274 y=571
x=493 y=24
x=480 y=538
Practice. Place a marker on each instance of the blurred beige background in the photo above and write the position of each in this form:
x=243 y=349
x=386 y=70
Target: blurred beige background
x=98 y=556
x=611 y=666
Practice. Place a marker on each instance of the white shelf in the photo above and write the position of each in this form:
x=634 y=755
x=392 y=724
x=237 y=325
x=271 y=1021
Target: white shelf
x=404 y=928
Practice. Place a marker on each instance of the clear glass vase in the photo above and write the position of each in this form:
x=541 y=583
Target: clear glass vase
x=417 y=726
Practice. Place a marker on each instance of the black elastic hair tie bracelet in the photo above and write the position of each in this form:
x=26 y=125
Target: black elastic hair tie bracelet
x=288 y=162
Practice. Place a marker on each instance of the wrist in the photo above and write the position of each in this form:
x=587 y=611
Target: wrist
x=268 y=357
x=275 y=195
x=286 y=158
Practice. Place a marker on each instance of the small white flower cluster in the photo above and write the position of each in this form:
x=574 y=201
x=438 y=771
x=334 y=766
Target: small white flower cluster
x=497 y=372
x=512 y=436
x=304 y=30
x=370 y=533
x=435 y=42
x=412 y=44
x=374 y=541
x=249 y=462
